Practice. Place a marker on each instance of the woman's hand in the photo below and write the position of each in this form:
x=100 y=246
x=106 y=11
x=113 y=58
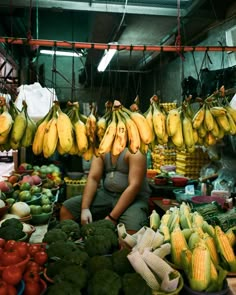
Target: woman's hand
x=86 y=216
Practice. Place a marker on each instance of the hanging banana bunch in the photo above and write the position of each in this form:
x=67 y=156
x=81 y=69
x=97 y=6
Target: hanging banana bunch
x=50 y=138
x=91 y=126
x=18 y=128
x=30 y=129
x=6 y=123
x=120 y=139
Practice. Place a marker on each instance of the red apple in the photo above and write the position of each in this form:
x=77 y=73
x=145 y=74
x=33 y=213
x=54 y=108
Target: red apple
x=36 y=179
x=27 y=178
x=5 y=186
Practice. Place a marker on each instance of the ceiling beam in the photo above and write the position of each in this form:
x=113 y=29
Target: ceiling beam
x=100 y=7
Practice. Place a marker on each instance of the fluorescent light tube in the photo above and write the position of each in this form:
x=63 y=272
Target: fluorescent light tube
x=60 y=53
x=107 y=57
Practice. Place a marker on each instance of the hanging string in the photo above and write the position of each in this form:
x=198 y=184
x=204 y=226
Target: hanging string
x=54 y=71
x=29 y=36
x=73 y=79
x=178 y=37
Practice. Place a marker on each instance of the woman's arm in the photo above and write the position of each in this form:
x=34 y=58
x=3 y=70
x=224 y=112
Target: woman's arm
x=137 y=172
x=94 y=177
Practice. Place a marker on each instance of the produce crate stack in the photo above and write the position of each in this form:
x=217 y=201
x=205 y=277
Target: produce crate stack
x=163 y=155
x=74 y=187
x=167 y=106
x=190 y=164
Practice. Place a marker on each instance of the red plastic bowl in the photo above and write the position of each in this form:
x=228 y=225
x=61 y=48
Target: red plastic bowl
x=208 y=199
x=179 y=181
x=160 y=181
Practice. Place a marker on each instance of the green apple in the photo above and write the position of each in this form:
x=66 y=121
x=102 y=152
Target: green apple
x=45 y=200
x=25 y=196
x=35 y=189
x=25 y=186
x=35 y=209
x=47 y=208
x=10 y=201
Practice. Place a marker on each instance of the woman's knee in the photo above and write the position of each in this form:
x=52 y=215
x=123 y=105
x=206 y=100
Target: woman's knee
x=65 y=213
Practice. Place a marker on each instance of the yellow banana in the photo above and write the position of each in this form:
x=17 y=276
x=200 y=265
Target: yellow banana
x=6 y=122
x=201 y=131
x=159 y=121
x=105 y=145
x=120 y=139
x=37 y=146
x=208 y=119
x=223 y=123
x=30 y=129
x=218 y=111
x=195 y=136
x=132 y=132
x=232 y=112
x=209 y=139
x=101 y=127
x=74 y=149
x=91 y=126
x=232 y=124
x=172 y=121
x=60 y=149
x=198 y=118
x=87 y=155
x=81 y=136
x=18 y=128
x=144 y=129
x=3 y=139
x=149 y=118
x=177 y=138
x=50 y=138
x=188 y=131
x=216 y=130
x=64 y=130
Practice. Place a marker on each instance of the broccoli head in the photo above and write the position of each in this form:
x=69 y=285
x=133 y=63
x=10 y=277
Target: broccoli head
x=76 y=275
x=70 y=227
x=62 y=288
x=120 y=262
x=78 y=257
x=60 y=249
x=13 y=222
x=133 y=283
x=98 y=262
x=55 y=267
x=11 y=233
x=90 y=228
x=105 y=282
x=53 y=235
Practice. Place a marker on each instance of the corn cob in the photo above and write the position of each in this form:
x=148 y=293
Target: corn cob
x=154 y=220
x=132 y=132
x=165 y=217
x=64 y=130
x=208 y=228
x=187 y=232
x=120 y=139
x=185 y=221
x=198 y=118
x=172 y=121
x=157 y=240
x=136 y=260
x=200 y=268
x=210 y=243
x=159 y=121
x=178 y=242
x=164 y=229
x=193 y=240
x=231 y=237
x=213 y=285
x=50 y=138
x=186 y=256
x=197 y=219
x=146 y=240
x=163 y=250
x=157 y=264
x=144 y=129
x=225 y=249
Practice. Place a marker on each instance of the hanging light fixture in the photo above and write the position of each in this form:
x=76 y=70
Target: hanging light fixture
x=60 y=53
x=107 y=57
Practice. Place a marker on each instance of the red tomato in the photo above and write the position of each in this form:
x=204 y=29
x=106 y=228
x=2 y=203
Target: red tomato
x=12 y=274
x=9 y=244
x=32 y=288
x=11 y=290
x=33 y=248
x=2 y=243
x=22 y=248
x=31 y=276
x=3 y=287
x=11 y=257
x=33 y=266
x=41 y=257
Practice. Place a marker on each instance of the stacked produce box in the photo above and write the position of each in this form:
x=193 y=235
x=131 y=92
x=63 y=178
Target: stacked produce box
x=163 y=155
x=190 y=164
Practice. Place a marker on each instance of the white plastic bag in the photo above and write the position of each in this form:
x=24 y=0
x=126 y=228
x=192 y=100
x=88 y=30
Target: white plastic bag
x=39 y=99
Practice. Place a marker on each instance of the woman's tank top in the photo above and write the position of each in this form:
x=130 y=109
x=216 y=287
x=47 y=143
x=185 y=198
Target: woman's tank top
x=116 y=176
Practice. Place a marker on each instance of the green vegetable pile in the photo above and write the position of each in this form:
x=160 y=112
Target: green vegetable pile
x=88 y=261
